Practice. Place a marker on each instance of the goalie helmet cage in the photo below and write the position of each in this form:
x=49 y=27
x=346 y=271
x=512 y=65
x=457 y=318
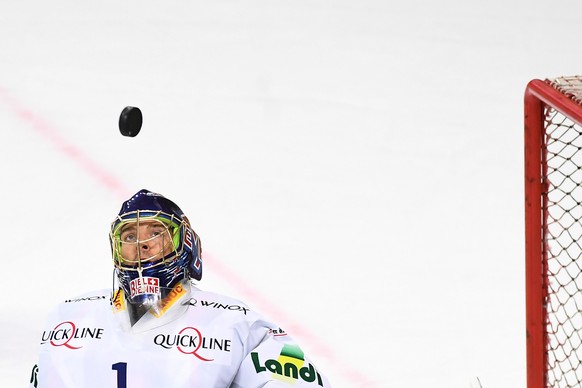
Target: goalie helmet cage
x=553 y=231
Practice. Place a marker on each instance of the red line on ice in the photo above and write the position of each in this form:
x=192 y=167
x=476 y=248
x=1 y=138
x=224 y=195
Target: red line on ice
x=79 y=158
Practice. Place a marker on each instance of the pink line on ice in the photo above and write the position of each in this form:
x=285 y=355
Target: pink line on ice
x=110 y=182
x=295 y=329
x=50 y=133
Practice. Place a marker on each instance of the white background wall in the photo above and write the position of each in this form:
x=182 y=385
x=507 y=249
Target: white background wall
x=354 y=168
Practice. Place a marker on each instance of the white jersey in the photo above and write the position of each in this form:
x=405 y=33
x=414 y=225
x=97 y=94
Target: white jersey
x=217 y=341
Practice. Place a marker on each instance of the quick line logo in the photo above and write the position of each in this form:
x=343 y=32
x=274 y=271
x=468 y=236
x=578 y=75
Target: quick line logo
x=67 y=334
x=190 y=341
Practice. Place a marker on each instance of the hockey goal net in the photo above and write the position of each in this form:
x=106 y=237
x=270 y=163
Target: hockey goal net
x=553 y=218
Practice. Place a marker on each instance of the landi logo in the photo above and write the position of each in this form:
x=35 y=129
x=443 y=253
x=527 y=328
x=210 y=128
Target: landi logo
x=190 y=340
x=67 y=334
x=289 y=367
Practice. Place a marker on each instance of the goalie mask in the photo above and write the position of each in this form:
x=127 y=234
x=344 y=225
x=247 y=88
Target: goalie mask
x=155 y=252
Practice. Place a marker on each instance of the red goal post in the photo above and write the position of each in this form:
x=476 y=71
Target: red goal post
x=553 y=231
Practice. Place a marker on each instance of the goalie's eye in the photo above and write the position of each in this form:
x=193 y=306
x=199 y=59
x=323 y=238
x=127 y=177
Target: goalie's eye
x=128 y=237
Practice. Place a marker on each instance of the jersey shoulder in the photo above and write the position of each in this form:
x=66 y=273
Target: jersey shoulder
x=219 y=303
x=230 y=308
x=101 y=294
x=95 y=300
x=214 y=296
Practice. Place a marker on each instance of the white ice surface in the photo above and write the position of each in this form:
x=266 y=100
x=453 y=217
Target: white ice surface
x=354 y=168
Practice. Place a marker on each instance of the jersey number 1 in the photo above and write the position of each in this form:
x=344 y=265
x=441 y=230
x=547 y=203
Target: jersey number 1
x=121 y=368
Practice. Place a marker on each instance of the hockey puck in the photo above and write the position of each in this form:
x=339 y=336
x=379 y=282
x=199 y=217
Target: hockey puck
x=130 y=121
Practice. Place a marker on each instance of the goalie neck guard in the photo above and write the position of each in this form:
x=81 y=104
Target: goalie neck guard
x=154 y=248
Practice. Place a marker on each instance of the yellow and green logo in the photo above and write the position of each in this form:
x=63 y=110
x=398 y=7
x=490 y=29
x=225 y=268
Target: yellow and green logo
x=289 y=366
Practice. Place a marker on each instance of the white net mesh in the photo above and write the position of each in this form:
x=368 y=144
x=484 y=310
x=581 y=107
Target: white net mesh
x=562 y=237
